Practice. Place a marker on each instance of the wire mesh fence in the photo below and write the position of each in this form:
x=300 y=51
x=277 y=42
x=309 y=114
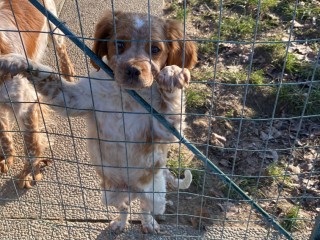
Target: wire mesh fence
x=252 y=114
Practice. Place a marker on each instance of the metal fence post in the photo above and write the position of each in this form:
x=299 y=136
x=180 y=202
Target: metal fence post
x=316 y=229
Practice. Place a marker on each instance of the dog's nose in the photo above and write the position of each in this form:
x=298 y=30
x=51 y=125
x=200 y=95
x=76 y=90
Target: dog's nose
x=132 y=71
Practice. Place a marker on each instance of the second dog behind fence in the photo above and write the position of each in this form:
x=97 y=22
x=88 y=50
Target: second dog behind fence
x=126 y=144
x=25 y=30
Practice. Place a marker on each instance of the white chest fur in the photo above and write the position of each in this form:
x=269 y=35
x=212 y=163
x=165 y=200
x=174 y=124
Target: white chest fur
x=125 y=133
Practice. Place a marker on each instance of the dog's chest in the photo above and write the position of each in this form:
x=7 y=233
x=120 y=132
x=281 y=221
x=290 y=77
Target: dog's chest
x=120 y=117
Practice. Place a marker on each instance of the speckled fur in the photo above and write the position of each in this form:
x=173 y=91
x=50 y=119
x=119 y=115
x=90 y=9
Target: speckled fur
x=19 y=90
x=128 y=142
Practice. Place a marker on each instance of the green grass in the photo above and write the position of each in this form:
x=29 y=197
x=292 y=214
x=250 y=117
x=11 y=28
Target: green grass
x=289 y=221
x=305 y=71
x=251 y=6
x=266 y=5
x=240 y=77
x=230 y=113
x=285 y=9
x=275 y=55
x=237 y=27
x=292 y=63
x=306 y=11
x=274 y=170
x=238 y=23
x=257 y=77
x=177 y=165
x=178 y=9
x=292 y=98
x=239 y=19
x=181 y=14
x=195 y=99
x=277 y=172
x=234 y=77
x=203 y=74
x=207 y=47
x=196 y=96
x=249 y=185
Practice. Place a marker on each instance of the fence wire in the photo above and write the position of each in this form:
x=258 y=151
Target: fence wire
x=282 y=194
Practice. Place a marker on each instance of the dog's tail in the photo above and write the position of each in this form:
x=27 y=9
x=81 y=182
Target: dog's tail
x=179 y=183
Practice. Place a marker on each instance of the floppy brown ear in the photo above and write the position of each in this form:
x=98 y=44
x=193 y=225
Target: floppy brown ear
x=174 y=32
x=103 y=31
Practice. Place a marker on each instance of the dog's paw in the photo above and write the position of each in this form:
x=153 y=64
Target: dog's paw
x=171 y=77
x=151 y=227
x=32 y=173
x=118 y=226
x=5 y=164
x=14 y=64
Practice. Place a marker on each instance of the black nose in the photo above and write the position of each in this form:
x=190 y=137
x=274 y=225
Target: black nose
x=132 y=71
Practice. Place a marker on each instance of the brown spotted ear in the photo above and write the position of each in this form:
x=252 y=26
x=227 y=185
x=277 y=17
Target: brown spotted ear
x=174 y=32
x=103 y=31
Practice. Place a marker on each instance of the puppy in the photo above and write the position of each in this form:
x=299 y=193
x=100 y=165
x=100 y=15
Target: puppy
x=126 y=144
x=18 y=96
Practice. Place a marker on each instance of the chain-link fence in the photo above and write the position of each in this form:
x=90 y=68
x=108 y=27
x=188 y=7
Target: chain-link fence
x=251 y=139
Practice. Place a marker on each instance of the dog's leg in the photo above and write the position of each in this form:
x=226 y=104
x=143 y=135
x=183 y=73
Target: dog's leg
x=54 y=88
x=120 y=200
x=153 y=201
x=172 y=78
x=121 y=222
x=6 y=150
x=58 y=39
x=32 y=167
x=66 y=66
x=171 y=81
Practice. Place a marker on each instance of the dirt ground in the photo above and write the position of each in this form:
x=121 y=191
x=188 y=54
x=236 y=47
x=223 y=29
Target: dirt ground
x=267 y=141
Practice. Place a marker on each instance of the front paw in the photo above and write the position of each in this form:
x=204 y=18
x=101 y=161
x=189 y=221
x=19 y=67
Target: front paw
x=172 y=77
x=150 y=227
x=13 y=64
x=118 y=226
x=5 y=163
x=32 y=173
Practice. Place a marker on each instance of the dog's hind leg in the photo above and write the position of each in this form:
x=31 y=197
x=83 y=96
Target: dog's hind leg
x=33 y=148
x=120 y=199
x=58 y=38
x=153 y=201
x=6 y=150
x=120 y=223
x=65 y=64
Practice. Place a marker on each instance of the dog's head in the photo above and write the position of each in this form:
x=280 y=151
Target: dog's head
x=135 y=55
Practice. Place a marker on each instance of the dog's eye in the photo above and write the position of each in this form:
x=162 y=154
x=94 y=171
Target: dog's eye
x=155 y=49
x=120 y=46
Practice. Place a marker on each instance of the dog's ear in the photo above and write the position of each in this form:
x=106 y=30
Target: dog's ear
x=175 y=35
x=103 y=31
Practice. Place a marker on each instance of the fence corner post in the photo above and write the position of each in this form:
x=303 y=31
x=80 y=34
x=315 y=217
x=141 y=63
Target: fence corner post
x=315 y=235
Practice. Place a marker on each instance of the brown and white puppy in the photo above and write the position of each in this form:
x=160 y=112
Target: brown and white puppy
x=126 y=144
x=18 y=97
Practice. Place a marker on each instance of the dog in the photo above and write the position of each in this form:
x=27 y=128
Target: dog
x=18 y=97
x=126 y=144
